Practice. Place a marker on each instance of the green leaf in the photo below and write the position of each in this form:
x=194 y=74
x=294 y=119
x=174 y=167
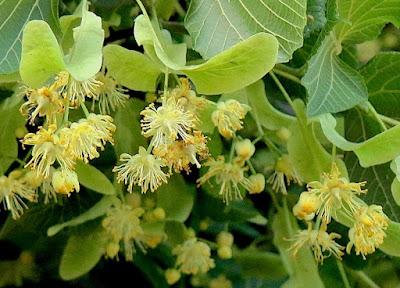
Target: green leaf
x=13 y=17
x=68 y=23
x=82 y=253
x=363 y=20
x=41 y=56
x=237 y=67
x=176 y=198
x=316 y=9
x=128 y=135
x=131 y=68
x=260 y=264
x=94 y=179
x=217 y=25
x=262 y=111
x=395 y=188
x=97 y=210
x=332 y=85
x=306 y=153
x=204 y=115
x=379 y=149
x=175 y=232
x=383 y=82
x=10 y=119
x=86 y=57
x=302 y=269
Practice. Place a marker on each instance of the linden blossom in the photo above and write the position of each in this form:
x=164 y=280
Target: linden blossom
x=283 y=175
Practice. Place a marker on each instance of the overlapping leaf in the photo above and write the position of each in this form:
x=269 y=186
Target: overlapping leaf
x=216 y=25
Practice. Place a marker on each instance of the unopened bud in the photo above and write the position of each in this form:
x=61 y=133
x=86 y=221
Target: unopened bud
x=159 y=214
x=283 y=134
x=225 y=252
x=245 y=149
x=256 y=183
x=225 y=239
x=172 y=276
x=65 y=181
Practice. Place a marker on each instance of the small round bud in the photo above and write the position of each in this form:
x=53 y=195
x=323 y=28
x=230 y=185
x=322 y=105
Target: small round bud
x=204 y=224
x=159 y=214
x=149 y=203
x=150 y=97
x=133 y=200
x=257 y=183
x=190 y=233
x=225 y=252
x=172 y=276
x=306 y=207
x=245 y=149
x=225 y=239
x=283 y=134
x=65 y=181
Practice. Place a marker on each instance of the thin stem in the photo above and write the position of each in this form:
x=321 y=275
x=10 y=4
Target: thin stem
x=333 y=153
x=232 y=152
x=66 y=113
x=343 y=274
x=282 y=89
x=376 y=116
x=252 y=170
x=298 y=72
x=365 y=278
x=85 y=110
x=181 y=12
x=287 y=75
x=389 y=120
x=177 y=80
x=272 y=146
x=166 y=78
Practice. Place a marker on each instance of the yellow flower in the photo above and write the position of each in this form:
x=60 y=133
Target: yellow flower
x=13 y=191
x=167 y=122
x=193 y=257
x=321 y=243
x=186 y=97
x=180 y=154
x=122 y=223
x=142 y=169
x=306 y=207
x=76 y=91
x=335 y=192
x=110 y=95
x=229 y=176
x=228 y=117
x=368 y=231
x=172 y=276
x=220 y=282
x=65 y=182
x=283 y=175
x=47 y=149
x=224 y=239
x=44 y=101
x=86 y=136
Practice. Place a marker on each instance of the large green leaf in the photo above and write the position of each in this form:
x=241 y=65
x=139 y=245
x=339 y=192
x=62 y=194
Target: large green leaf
x=383 y=82
x=97 y=210
x=332 y=85
x=363 y=20
x=10 y=119
x=176 y=198
x=379 y=149
x=82 y=253
x=13 y=17
x=302 y=269
x=86 y=56
x=41 y=55
x=131 y=68
x=237 y=67
x=92 y=178
x=216 y=25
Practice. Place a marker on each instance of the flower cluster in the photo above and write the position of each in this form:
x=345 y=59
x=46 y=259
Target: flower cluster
x=231 y=176
x=175 y=143
x=333 y=196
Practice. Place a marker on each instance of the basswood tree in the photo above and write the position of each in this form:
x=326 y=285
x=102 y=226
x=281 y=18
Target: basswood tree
x=200 y=143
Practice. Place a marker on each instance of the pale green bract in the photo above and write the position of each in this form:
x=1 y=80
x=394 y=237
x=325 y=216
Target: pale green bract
x=92 y=178
x=14 y=15
x=216 y=25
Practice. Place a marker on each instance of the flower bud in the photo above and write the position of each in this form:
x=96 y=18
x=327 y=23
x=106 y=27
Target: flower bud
x=172 y=276
x=133 y=200
x=283 y=134
x=65 y=181
x=245 y=149
x=225 y=252
x=158 y=214
x=306 y=207
x=256 y=183
x=224 y=239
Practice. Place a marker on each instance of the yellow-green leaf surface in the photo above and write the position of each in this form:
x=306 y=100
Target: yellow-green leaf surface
x=131 y=68
x=94 y=179
x=379 y=149
x=237 y=67
x=217 y=25
x=14 y=15
x=82 y=253
x=85 y=58
x=41 y=56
